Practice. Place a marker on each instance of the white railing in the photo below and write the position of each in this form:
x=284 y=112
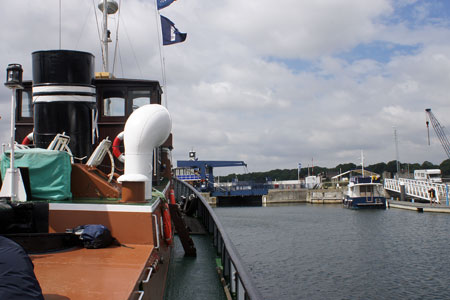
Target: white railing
x=417 y=188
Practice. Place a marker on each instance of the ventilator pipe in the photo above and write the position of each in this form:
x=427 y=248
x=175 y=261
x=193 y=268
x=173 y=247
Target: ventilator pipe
x=146 y=128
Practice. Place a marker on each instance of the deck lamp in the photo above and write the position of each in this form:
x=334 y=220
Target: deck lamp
x=14 y=76
x=13 y=186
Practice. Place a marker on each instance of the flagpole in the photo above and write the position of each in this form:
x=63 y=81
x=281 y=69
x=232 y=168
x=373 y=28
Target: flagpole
x=169 y=34
x=161 y=53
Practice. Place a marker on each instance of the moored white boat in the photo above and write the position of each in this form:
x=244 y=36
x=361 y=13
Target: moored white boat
x=364 y=192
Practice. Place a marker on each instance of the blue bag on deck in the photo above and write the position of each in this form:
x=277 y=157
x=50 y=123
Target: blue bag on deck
x=94 y=236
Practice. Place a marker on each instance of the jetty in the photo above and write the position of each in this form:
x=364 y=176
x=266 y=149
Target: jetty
x=315 y=196
x=414 y=195
x=419 y=207
x=416 y=189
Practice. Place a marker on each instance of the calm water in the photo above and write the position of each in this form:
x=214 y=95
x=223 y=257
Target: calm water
x=328 y=252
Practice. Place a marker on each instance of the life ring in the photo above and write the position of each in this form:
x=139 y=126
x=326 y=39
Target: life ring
x=28 y=139
x=116 y=147
x=167 y=224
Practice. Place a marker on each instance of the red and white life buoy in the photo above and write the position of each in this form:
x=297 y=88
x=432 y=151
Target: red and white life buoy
x=167 y=224
x=28 y=139
x=116 y=147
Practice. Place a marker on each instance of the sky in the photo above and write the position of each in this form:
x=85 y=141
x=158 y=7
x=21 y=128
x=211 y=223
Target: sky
x=271 y=83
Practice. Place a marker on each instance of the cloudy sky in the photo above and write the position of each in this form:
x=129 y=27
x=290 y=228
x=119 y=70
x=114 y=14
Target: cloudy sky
x=272 y=83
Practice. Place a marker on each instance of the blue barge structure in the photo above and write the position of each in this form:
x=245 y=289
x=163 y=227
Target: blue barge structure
x=200 y=174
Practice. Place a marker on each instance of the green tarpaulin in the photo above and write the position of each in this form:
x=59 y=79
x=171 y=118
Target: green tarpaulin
x=49 y=171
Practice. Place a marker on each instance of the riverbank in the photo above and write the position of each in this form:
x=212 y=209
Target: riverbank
x=329 y=196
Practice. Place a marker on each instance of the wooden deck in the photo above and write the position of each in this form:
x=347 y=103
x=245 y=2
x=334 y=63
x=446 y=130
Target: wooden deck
x=109 y=273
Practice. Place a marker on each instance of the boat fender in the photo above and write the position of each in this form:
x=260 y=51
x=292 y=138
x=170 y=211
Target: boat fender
x=167 y=223
x=172 y=197
x=116 y=147
x=28 y=139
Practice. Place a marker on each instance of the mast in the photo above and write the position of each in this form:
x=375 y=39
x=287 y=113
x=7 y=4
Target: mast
x=111 y=8
x=105 y=38
x=396 y=150
x=362 y=162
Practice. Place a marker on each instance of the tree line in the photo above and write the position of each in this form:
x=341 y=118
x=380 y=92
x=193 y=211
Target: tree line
x=292 y=174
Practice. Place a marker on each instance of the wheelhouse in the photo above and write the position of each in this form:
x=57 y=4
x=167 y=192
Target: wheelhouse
x=116 y=99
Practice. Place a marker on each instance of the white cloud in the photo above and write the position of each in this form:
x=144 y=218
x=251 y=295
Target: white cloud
x=234 y=96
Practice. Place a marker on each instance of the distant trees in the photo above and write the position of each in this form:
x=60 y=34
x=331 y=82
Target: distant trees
x=428 y=165
x=345 y=167
x=412 y=167
x=391 y=167
x=445 y=167
x=378 y=168
x=291 y=174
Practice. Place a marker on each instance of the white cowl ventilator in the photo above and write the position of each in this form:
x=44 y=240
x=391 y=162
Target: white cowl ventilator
x=147 y=127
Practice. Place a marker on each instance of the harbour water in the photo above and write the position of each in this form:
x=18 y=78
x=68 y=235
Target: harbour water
x=328 y=252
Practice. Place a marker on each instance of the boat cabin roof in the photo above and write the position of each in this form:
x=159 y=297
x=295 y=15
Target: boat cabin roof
x=352 y=173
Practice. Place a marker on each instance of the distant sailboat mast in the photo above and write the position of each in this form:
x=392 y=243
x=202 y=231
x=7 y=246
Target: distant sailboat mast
x=362 y=162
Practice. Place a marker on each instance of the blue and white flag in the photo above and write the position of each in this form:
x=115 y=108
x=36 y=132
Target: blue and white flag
x=170 y=33
x=299 y=166
x=164 y=3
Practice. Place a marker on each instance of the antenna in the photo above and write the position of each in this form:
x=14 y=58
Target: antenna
x=59 y=24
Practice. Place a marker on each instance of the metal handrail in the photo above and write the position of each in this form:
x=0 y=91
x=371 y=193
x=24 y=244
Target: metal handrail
x=235 y=273
x=416 y=188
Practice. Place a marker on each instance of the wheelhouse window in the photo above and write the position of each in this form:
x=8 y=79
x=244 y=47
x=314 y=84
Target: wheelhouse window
x=366 y=190
x=139 y=98
x=114 y=104
x=26 y=109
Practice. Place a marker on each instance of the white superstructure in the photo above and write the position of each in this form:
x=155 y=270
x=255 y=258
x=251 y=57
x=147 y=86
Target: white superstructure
x=430 y=175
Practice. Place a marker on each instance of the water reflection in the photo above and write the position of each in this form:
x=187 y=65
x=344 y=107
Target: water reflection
x=327 y=252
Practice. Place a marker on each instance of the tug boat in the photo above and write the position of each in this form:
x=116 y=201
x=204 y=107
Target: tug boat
x=364 y=192
x=63 y=182
x=88 y=148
